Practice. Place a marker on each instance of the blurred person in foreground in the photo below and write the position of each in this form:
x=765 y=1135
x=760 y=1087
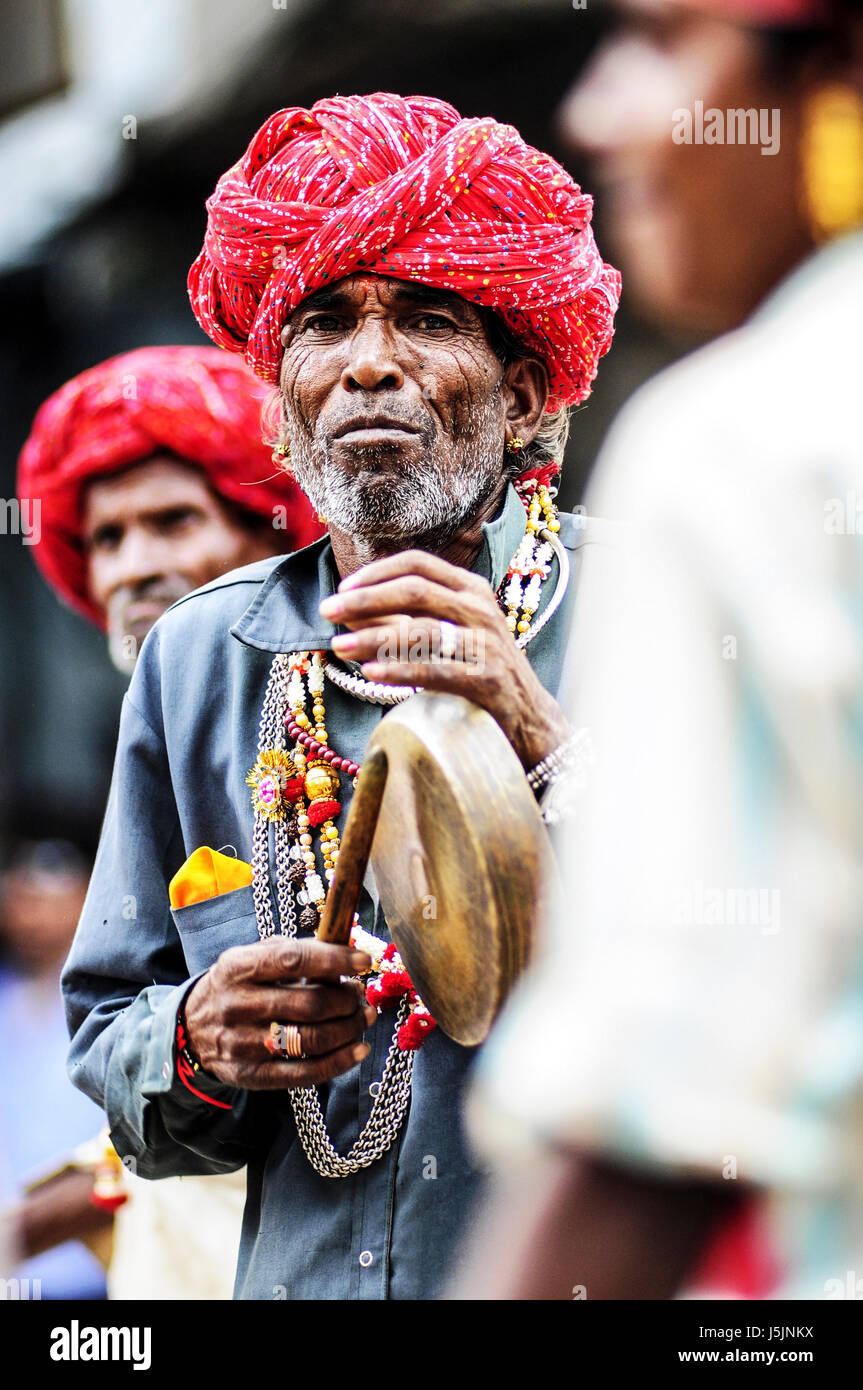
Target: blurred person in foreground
x=41 y=894
x=153 y=480
x=427 y=294
x=692 y=1122
x=725 y=139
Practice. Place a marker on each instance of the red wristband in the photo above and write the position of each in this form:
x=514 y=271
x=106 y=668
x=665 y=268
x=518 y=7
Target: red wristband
x=187 y=1067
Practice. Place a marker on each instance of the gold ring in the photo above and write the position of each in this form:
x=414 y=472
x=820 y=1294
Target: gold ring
x=285 y=1039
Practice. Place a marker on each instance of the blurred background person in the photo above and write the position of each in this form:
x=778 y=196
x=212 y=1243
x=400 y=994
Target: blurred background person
x=152 y=479
x=690 y=1122
x=42 y=891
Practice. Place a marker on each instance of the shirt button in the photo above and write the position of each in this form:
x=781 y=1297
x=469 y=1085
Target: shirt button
x=366 y=1258
x=374 y=1088
x=166 y=1070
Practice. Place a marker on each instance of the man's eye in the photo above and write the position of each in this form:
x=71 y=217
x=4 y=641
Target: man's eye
x=105 y=538
x=322 y=323
x=177 y=518
x=432 y=322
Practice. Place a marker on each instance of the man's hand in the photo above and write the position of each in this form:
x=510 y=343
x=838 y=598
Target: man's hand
x=396 y=605
x=229 y=1010
x=55 y=1211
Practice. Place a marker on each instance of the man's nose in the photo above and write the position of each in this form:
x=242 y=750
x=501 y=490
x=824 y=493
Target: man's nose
x=607 y=108
x=372 y=363
x=139 y=559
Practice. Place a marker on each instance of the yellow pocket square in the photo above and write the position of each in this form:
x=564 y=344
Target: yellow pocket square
x=206 y=874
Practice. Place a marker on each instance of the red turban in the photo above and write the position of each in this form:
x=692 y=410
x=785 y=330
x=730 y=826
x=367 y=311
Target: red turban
x=195 y=402
x=403 y=187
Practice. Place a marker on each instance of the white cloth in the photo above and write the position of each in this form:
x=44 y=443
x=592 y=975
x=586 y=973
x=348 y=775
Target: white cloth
x=178 y=1238
x=698 y=1005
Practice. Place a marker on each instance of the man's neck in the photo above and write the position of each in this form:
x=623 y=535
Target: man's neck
x=352 y=552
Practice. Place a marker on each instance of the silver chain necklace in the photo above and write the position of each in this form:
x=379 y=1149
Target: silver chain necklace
x=393 y=1095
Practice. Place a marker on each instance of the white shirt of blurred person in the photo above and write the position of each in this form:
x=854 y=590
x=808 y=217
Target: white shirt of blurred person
x=154 y=480
x=41 y=1114
x=693 y=1122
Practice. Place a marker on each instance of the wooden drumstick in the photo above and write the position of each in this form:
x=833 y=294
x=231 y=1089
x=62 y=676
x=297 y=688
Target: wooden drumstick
x=344 y=895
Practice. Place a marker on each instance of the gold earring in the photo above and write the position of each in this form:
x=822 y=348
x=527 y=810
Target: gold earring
x=322 y=519
x=832 y=160
x=280 y=453
x=514 y=445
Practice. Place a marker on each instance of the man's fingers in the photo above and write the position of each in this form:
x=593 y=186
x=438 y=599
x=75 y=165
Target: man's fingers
x=317 y=1039
x=452 y=677
x=291 y=958
x=401 y=623
x=422 y=640
x=282 y=1076
x=414 y=596
x=291 y=1004
x=413 y=562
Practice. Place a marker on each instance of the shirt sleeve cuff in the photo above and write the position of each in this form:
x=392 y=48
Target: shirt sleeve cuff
x=170 y=1069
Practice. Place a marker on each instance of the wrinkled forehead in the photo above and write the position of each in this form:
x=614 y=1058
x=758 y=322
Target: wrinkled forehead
x=355 y=290
x=160 y=481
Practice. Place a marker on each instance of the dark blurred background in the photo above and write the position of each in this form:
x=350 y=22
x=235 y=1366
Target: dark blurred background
x=116 y=119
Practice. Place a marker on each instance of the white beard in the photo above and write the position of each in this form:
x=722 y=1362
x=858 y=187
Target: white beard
x=428 y=502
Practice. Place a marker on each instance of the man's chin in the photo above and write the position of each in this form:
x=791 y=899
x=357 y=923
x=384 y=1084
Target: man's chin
x=126 y=636
x=372 y=523
x=372 y=502
x=372 y=470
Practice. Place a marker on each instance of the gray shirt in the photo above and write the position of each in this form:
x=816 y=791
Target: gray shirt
x=188 y=737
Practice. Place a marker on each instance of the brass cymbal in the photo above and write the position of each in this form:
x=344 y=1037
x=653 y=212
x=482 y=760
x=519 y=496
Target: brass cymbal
x=460 y=855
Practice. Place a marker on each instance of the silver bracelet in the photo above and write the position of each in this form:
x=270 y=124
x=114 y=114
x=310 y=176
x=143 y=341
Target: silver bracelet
x=566 y=755
x=559 y=779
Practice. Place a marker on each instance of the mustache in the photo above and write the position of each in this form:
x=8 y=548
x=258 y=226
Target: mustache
x=167 y=589
x=418 y=421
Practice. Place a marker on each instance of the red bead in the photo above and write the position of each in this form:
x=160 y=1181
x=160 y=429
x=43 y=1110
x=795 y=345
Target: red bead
x=337 y=763
x=319 y=811
x=328 y=755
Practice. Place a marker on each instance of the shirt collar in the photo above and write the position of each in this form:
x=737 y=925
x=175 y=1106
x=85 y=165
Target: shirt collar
x=284 y=617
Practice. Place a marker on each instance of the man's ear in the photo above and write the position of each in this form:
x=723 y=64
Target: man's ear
x=525 y=386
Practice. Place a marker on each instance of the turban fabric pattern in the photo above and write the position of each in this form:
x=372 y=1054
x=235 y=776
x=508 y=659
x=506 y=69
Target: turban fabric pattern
x=196 y=403
x=403 y=187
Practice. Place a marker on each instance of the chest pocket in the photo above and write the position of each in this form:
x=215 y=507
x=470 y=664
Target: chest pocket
x=208 y=928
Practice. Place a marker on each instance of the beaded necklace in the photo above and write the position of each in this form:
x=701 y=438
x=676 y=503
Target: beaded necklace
x=295 y=792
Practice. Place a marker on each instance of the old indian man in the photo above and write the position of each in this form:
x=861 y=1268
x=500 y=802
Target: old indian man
x=426 y=294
